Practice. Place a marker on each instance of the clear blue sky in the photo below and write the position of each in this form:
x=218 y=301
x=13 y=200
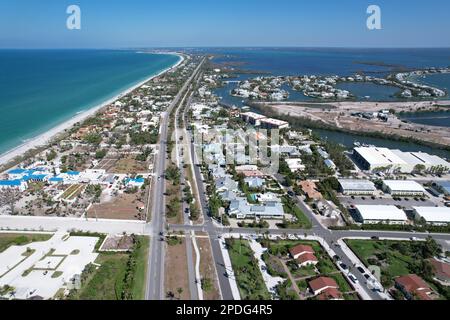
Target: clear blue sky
x=150 y=23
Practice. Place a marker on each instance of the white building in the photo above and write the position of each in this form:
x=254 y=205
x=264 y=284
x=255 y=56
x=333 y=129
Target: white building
x=433 y=215
x=295 y=164
x=252 y=118
x=374 y=158
x=403 y=188
x=380 y=213
x=270 y=123
x=356 y=187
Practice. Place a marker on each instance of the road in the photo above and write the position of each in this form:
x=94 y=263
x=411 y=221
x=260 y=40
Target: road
x=209 y=227
x=155 y=270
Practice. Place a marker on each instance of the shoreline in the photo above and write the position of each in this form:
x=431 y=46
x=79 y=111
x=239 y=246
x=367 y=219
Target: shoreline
x=46 y=137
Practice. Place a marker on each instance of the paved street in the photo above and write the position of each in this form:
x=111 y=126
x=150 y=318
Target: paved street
x=155 y=276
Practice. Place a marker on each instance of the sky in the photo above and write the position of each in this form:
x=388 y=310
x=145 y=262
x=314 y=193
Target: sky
x=220 y=23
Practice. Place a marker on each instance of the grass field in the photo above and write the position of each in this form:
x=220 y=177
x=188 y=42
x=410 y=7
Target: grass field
x=248 y=276
x=367 y=250
x=107 y=282
x=10 y=239
x=302 y=220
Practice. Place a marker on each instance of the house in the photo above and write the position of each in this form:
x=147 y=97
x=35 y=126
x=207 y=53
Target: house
x=441 y=271
x=243 y=210
x=414 y=287
x=299 y=250
x=330 y=294
x=295 y=164
x=307 y=259
x=330 y=164
x=304 y=255
x=226 y=184
x=310 y=189
x=254 y=182
x=321 y=284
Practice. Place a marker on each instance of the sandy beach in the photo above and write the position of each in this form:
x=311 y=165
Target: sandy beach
x=47 y=136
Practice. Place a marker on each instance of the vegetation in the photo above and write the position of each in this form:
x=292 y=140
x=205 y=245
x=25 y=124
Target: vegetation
x=121 y=276
x=397 y=258
x=11 y=239
x=249 y=279
x=290 y=207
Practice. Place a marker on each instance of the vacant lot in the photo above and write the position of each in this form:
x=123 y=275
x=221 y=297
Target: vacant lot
x=109 y=281
x=129 y=165
x=176 y=280
x=11 y=239
x=124 y=206
x=248 y=277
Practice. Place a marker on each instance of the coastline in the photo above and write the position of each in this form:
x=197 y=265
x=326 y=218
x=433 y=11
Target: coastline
x=44 y=138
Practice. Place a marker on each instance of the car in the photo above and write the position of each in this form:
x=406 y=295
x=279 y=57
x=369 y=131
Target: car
x=336 y=257
x=186 y=210
x=367 y=276
x=343 y=266
x=361 y=269
x=352 y=277
x=161 y=233
x=413 y=239
x=291 y=194
x=374 y=238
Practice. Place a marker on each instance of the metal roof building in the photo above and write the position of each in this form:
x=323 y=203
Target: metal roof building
x=403 y=188
x=380 y=213
x=433 y=215
x=371 y=158
x=356 y=187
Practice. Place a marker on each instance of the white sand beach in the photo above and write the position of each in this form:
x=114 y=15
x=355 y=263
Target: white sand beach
x=46 y=137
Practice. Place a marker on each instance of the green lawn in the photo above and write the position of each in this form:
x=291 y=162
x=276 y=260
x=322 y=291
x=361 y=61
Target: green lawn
x=10 y=239
x=302 y=220
x=141 y=270
x=107 y=282
x=248 y=276
x=370 y=252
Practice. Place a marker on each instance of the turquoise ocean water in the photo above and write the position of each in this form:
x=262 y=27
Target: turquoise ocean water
x=40 y=89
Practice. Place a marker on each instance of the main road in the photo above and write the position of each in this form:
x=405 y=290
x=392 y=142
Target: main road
x=155 y=270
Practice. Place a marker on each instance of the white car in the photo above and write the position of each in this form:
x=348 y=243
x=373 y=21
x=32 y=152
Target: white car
x=352 y=277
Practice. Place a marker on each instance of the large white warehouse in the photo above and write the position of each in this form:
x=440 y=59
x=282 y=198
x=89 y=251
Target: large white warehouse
x=372 y=158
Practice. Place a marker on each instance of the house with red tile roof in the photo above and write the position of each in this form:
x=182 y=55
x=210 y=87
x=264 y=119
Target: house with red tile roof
x=307 y=259
x=441 y=271
x=330 y=294
x=414 y=287
x=321 y=284
x=299 y=250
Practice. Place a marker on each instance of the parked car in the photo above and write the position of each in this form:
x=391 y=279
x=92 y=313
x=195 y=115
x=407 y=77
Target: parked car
x=352 y=277
x=361 y=269
x=343 y=266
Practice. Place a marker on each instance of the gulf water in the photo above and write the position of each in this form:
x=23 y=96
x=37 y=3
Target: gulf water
x=40 y=89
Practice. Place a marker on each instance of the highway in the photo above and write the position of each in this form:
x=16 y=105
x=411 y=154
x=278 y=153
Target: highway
x=155 y=270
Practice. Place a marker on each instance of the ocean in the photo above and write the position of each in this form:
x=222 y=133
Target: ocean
x=40 y=89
